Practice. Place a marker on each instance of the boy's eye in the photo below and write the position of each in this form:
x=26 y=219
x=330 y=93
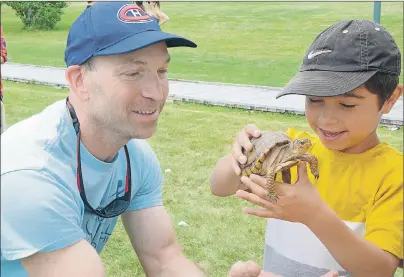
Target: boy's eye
x=313 y=100
x=348 y=106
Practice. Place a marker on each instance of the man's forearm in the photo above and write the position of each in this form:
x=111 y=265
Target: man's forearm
x=180 y=266
x=356 y=255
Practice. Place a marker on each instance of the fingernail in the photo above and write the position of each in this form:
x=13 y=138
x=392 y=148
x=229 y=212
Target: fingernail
x=242 y=159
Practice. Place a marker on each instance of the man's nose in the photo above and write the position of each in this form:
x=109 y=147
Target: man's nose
x=153 y=88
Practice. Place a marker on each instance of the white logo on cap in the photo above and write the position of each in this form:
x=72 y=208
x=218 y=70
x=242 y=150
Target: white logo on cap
x=313 y=54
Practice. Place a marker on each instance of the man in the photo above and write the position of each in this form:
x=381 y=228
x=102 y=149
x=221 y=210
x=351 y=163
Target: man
x=68 y=172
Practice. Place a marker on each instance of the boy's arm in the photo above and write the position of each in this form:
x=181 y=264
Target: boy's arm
x=355 y=254
x=225 y=178
x=379 y=251
x=366 y=256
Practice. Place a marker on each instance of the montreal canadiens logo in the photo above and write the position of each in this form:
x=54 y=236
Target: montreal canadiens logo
x=131 y=13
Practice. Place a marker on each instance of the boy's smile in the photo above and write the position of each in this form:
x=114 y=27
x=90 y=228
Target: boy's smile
x=330 y=135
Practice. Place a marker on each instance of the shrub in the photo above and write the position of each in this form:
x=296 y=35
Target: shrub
x=42 y=15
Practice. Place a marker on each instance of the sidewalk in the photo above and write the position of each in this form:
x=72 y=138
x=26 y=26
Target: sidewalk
x=229 y=95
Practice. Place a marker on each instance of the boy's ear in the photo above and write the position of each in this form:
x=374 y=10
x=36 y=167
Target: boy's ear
x=388 y=105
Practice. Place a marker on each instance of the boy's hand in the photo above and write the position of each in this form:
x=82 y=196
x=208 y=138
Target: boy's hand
x=242 y=140
x=297 y=203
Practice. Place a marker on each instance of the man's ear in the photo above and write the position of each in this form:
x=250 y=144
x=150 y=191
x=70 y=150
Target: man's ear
x=75 y=77
x=388 y=105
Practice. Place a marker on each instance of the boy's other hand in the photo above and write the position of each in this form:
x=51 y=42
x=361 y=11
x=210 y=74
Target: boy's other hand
x=297 y=203
x=242 y=141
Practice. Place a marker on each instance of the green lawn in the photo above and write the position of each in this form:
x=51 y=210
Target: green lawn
x=189 y=141
x=259 y=43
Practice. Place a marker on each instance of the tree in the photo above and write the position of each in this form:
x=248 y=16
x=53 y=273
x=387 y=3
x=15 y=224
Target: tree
x=42 y=15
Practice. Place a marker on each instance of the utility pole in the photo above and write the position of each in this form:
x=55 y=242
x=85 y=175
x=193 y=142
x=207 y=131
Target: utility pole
x=377 y=11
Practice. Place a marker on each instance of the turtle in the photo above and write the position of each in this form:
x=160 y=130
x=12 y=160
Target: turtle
x=275 y=152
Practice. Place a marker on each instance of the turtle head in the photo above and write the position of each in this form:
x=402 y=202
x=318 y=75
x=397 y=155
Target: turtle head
x=300 y=146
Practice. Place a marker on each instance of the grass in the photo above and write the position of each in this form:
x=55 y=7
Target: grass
x=189 y=141
x=258 y=43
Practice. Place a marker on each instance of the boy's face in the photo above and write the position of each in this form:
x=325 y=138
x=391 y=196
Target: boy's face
x=348 y=123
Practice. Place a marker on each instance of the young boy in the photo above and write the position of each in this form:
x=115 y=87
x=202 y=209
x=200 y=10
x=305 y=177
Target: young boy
x=350 y=219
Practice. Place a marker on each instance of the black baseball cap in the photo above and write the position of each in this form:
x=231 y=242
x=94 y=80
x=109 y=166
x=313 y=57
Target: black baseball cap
x=343 y=57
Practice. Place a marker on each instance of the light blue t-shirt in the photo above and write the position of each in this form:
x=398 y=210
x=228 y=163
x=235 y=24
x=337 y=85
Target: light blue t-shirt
x=41 y=208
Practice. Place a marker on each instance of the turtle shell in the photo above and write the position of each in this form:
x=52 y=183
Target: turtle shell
x=267 y=140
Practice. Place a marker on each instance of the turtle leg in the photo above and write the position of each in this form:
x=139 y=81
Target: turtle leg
x=270 y=183
x=312 y=161
x=284 y=168
x=271 y=178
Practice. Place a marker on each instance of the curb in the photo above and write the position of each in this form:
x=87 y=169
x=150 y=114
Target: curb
x=203 y=101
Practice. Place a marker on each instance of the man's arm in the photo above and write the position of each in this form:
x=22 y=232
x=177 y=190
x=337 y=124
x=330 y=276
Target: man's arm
x=43 y=231
x=77 y=260
x=153 y=238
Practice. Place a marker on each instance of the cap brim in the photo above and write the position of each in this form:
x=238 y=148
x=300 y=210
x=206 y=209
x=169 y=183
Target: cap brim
x=143 y=40
x=325 y=83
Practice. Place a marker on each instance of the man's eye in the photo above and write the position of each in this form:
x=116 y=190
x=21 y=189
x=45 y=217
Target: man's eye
x=132 y=74
x=163 y=71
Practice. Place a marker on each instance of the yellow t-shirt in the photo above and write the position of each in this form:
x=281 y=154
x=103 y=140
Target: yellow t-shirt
x=366 y=192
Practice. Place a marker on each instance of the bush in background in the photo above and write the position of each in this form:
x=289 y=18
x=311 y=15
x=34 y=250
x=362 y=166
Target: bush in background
x=40 y=15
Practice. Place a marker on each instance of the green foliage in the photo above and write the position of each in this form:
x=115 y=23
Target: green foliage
x=41 y=15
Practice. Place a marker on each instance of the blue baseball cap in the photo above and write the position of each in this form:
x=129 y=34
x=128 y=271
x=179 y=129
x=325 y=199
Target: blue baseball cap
x=110 y=28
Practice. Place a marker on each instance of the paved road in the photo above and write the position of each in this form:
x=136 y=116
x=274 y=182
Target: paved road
x=234 y=95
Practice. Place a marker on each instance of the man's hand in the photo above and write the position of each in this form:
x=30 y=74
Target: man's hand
x=296 y=203
x=242 y=141
x=249 y=269
x=252 y=269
